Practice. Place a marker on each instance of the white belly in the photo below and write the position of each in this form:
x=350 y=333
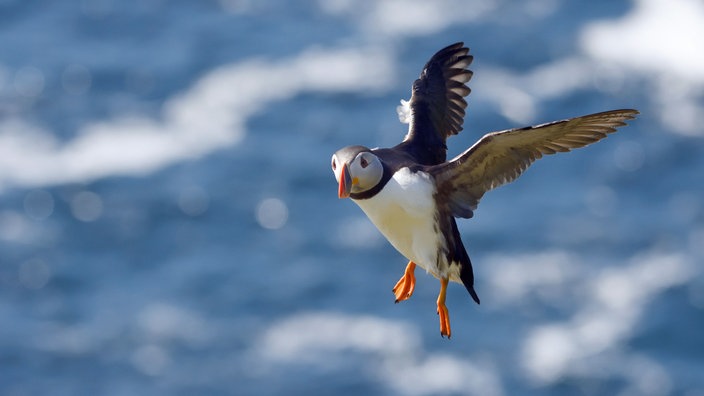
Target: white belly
x=404 y=212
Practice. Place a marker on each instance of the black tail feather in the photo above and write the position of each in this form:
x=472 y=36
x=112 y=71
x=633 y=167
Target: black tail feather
x=468 y=280
x=461 y=256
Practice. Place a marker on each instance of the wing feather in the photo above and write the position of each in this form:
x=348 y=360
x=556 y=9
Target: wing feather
x=437 y=105
x=501 y=157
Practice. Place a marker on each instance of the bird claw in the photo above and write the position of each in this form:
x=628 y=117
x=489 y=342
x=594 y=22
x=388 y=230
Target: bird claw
x=442 y=310
x=444 y=321
x=405 y=286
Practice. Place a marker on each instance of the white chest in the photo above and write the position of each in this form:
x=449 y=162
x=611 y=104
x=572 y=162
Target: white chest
x=404 y=212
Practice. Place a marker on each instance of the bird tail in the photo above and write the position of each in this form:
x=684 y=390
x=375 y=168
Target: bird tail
x=466 y=272
x=467 y=278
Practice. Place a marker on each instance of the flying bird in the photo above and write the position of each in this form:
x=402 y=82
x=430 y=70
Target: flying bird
x=411 y=192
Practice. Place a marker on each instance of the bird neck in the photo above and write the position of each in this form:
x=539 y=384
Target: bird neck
x=385 y=177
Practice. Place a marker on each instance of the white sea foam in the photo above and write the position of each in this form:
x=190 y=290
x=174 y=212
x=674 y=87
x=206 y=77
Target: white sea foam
x=607 y=309
x=400 y=361
x=655 y=36
x=614 y=301
x=661 y=42
x=655 y=44
x=402 y=18
x=515 y=278
x=162 y=321
x=209 y=115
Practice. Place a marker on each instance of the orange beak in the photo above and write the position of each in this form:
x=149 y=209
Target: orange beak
x=345 y=183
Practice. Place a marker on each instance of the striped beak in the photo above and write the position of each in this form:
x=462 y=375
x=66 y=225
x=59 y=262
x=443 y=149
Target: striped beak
x=345 y=183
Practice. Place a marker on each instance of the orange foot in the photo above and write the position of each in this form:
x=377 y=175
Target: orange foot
x=405 y=286
x=442 y=310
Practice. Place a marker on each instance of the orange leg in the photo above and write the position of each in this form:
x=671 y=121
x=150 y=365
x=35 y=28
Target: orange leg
x=442 y=310
x=405 y=286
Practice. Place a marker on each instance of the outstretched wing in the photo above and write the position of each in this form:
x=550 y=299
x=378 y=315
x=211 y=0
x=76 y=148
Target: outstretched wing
x=437 y=106
x=500 y=157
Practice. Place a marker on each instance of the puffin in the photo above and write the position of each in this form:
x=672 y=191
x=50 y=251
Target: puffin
x=413 y=195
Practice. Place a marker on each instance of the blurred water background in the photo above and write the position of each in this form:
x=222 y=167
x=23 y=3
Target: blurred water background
x=169 y=223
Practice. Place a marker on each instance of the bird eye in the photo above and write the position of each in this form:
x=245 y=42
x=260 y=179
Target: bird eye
x=363 y=162
x=334 y=164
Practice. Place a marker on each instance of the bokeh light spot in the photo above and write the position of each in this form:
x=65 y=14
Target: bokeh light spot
x=38 y=204
x=272 y=213
x=629 y=156
x=14 y=226
x=87 y=206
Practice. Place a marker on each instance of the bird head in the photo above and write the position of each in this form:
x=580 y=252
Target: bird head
x=356 y=170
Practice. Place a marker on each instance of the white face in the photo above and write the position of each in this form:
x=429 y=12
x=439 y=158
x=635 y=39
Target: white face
x=364 y=171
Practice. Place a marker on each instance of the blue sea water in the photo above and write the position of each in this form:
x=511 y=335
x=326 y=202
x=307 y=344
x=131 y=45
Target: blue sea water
x=169 y=223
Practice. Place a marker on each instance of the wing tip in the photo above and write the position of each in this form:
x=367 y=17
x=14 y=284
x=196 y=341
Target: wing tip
x=626 y=114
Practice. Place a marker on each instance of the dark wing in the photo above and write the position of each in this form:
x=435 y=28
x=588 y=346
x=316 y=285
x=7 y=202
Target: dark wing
x=500 y=157
x=437 y=104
